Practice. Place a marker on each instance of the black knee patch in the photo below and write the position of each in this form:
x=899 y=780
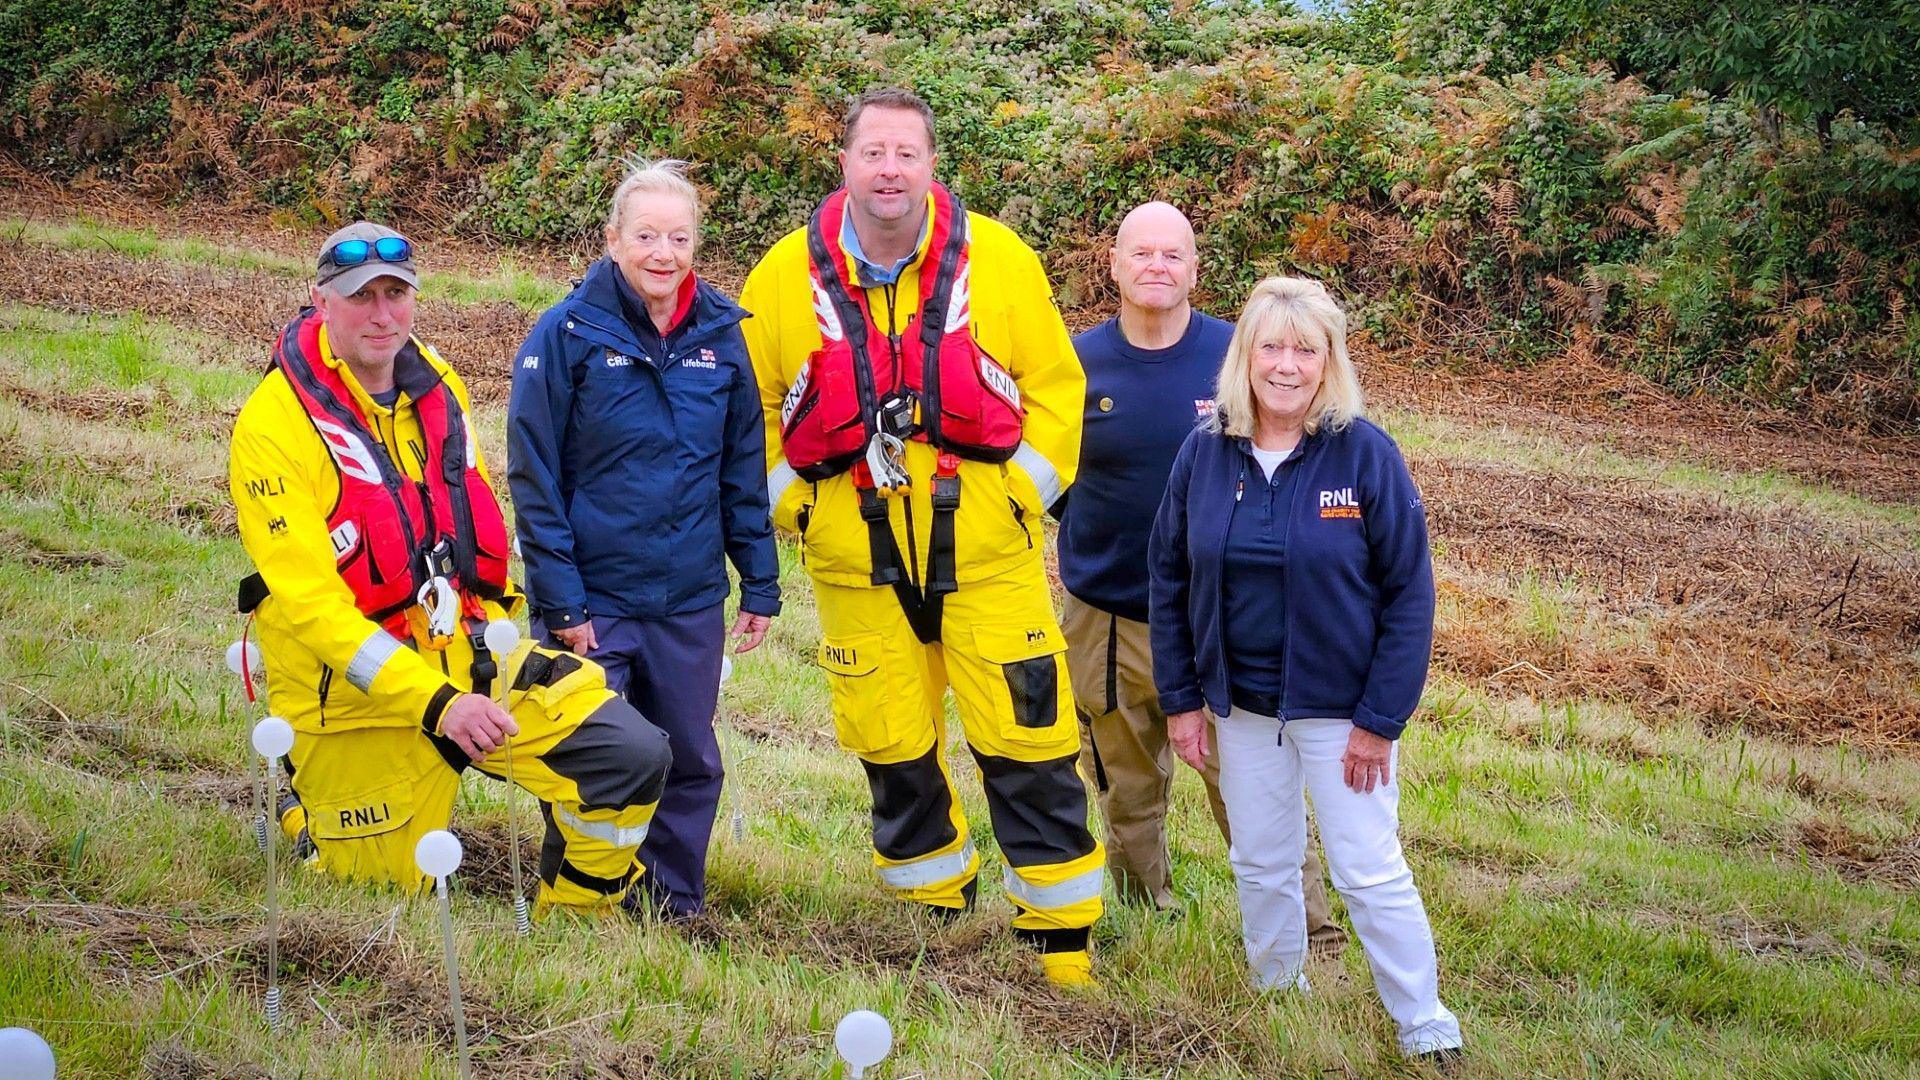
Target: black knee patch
x=617 y=758
x=912 y=807
x=1039 y=809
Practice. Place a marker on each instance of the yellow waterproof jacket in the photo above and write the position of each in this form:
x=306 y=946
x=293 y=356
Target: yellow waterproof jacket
x=998 y=524
x=330 y=668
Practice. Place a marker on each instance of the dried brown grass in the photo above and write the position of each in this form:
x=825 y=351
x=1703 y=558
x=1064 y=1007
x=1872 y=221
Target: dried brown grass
x=1769 y=620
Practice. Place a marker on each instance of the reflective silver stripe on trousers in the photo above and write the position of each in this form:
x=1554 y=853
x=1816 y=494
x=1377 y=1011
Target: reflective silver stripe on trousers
x=931 y=871
x=1045 y=477
x=778 y=481
x=1045 y=897
x=605 y=831
x=370 y=657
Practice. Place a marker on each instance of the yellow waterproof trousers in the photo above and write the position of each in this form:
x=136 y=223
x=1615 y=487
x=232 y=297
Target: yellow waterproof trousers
x=1003 y=654
x=596 y=765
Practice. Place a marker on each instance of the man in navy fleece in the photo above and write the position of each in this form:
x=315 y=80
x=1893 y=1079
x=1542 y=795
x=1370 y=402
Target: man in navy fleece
x=1150 y=373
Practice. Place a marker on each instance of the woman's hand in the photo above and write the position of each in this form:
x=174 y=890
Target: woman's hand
x=750 y=630
x=1187 y=732
x=578 y=639
x=1368 y=760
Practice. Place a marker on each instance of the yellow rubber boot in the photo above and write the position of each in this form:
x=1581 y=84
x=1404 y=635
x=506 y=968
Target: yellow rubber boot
x=1068 y=970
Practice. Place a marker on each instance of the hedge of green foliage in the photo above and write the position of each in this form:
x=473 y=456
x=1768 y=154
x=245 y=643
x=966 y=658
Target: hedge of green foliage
x=1716 y=241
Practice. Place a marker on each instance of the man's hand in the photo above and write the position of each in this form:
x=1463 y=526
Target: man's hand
x=477 y=725
x=578 y=639
x=1187 y=732
x=750 y=629
x=1368 y=760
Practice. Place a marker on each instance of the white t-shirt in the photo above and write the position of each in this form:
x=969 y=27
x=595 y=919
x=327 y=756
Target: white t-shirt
x=1270 y=459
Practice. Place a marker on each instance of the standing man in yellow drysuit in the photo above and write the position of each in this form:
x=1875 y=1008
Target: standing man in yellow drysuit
x=381 y=556
x=923 y=409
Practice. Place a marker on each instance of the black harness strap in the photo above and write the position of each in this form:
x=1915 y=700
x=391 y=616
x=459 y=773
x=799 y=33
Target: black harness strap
x=923 y=609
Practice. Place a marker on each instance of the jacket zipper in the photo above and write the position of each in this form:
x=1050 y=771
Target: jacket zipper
x=326 y=686
x=1286 y=572
x=891 y=290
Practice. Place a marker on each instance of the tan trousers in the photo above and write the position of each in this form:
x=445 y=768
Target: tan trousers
x=1126 y=757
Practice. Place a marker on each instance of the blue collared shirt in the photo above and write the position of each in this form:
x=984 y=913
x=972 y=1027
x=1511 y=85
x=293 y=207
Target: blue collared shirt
x=871 y=273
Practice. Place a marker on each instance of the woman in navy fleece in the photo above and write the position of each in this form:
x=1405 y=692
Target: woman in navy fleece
x=1292 y=594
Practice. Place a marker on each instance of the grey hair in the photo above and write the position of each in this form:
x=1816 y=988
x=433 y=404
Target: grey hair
x=665 y=176
x=1298 y=310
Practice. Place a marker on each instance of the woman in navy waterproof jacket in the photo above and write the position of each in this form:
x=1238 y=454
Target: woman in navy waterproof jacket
x=637 y=460
x=1292 y=594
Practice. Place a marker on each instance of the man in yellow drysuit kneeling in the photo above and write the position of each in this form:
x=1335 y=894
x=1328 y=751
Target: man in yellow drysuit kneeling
x=381 y=555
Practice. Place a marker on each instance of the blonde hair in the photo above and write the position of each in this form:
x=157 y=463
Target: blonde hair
x=1293 y=309
x=667 y=176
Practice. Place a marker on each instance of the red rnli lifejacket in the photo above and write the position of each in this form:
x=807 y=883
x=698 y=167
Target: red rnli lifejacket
x=391 y=535
x=966 y=403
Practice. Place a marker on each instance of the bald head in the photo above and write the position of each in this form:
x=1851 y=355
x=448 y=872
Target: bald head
x=1153 y=258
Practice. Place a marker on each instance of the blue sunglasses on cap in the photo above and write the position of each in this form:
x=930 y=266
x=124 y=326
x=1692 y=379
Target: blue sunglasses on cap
x=391 y=249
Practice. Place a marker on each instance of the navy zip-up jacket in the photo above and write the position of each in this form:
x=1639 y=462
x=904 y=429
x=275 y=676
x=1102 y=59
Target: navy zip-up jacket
x=637 y=470
x=1358 y=600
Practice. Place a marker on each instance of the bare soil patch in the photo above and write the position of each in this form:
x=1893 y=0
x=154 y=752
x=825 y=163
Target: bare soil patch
x=1157 y=1038
x=245 y=306
x=1858 y=857
x=28 y=194
x=1585 y=402
x=1572 y=397
x=486 y=869
x=1769 y=619
x=173 y=1061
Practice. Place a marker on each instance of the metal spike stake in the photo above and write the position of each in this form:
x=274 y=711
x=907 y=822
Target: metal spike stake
x=522 y=924
x=438 y=855
x=272 y=737
x=453 y=979
x=501 y=638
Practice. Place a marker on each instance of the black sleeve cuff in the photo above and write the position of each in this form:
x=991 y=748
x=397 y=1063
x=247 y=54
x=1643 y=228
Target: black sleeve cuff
x=442 y=698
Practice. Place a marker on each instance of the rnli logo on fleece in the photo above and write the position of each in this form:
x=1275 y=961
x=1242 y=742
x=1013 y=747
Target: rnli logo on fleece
x=1339 y=503
x=706 y=360
x=1202 y=408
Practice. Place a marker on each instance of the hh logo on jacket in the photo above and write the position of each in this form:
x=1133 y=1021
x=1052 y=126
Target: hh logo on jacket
x=1339 y=503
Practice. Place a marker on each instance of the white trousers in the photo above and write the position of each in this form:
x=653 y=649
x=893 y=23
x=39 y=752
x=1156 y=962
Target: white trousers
x=1263 y=775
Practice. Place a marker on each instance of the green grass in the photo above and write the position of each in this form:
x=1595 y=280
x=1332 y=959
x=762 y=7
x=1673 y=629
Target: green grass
x=1614 y=894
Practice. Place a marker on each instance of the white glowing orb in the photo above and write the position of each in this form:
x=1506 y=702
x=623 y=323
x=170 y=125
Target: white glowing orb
x=863 y=1038
x=272 y=737
x=438 y=853
x=502 y=637
x=243 y=656
x=24 y=1055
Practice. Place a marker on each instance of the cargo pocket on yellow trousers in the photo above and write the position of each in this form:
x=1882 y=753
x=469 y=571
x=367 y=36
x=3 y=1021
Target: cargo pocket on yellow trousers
x=1031 y=661
x=858 y=683
x=363 y=835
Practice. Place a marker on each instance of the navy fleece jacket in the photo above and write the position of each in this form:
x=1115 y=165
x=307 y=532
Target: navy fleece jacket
x=1358 y=599
x=637 y=464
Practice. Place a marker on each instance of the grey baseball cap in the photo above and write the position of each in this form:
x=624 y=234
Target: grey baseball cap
x=347 y=280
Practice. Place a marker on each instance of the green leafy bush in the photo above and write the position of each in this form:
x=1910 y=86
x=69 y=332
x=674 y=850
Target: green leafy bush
x=1466 y=171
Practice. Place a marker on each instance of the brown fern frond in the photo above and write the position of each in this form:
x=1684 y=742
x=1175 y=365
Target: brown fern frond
x=1565 y=299
x=1505 y=200
x=1625 y=217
